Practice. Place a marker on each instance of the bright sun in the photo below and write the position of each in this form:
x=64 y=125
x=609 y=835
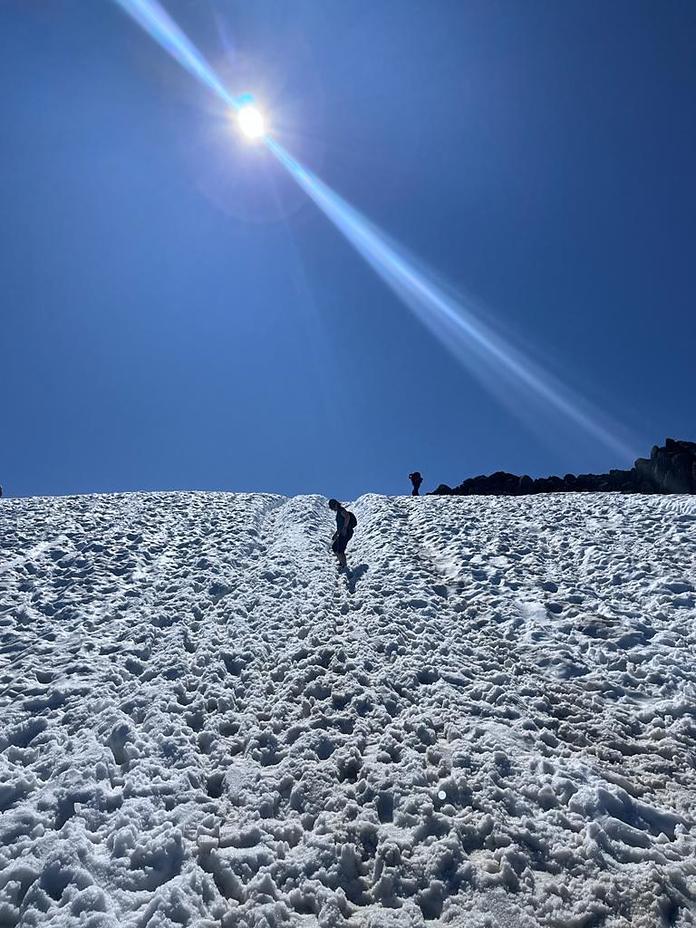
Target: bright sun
x=251 y=122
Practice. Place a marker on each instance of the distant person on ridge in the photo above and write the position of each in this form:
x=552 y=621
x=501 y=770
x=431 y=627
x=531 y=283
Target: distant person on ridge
x=345 y=523
x=416 y=480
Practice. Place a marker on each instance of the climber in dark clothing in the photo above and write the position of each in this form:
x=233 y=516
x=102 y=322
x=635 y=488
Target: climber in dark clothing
x=416 y=480
x=345 y=523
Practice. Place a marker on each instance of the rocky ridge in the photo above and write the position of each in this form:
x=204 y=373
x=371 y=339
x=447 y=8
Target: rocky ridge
x=669 y=469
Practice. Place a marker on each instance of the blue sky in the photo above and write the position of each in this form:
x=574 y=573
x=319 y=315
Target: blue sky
x=177 y=314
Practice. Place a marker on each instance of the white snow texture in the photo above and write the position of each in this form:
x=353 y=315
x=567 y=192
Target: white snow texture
x=489 y=721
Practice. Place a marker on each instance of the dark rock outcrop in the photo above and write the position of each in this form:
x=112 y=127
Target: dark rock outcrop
x=669 y=469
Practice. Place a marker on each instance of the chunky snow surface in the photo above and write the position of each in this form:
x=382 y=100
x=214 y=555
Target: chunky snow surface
x=489 y=721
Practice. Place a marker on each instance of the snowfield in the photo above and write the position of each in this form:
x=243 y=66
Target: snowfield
x=489 y=721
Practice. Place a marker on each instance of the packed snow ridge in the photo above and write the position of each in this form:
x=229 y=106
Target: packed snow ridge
x=488 y=721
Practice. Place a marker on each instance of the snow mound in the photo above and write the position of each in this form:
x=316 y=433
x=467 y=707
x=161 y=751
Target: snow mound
x=488 y=721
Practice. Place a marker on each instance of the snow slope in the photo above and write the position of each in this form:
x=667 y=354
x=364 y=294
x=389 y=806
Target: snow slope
x=490 y=721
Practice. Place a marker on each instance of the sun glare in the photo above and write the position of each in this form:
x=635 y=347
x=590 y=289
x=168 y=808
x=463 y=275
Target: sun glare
x=251 y=122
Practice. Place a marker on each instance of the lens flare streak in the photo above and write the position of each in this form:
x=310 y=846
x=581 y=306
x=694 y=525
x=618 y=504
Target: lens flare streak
x=503 y=369
x=155 y=20
x=498 y=364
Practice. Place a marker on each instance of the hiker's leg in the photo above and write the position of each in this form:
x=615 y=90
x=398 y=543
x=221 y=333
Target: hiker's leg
x=340 y=548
